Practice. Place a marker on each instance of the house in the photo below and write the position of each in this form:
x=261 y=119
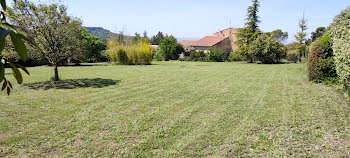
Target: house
x=155 y=47
x=223 y=39
x=231 y=34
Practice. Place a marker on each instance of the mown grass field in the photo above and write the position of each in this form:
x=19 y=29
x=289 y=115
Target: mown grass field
x=174 y=109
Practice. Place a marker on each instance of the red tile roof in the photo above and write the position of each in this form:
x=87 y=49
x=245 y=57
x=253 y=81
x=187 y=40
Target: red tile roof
x=226 y=33
x=208 y=41
x=187 y=42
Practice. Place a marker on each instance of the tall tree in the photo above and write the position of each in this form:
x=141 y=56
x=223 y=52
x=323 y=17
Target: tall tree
x=157 y=38
x=137 y=38
x=250 y=32
x=93 y=47
x=57 y=35
x=301 y=38
x=319 y=32
x=168 y=47
x=252 y=17
x=278 y=34
x=145 y=36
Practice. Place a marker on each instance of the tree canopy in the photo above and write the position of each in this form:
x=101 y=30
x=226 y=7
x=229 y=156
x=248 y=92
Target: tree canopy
x=252 y=17
x=168 y=47
x=57 y=35
x=157 y=38
x=250 y=32
x=279 y=34
x=267 y=49
x=319 y=32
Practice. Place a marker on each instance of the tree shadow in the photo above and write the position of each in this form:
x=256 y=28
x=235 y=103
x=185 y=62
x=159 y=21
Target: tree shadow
x=72 y=84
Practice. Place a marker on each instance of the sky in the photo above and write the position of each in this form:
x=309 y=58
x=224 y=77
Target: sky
x=198 y=18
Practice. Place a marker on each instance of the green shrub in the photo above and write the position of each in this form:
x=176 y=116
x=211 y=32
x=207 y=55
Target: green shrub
x=321 y=65
x=167 y=47
x=216 y=54
x=198 y=56
x=267 y=49
x=176 y=53
x=158 y=55
x=339 y=31
x=292 y=55
x=236 y=56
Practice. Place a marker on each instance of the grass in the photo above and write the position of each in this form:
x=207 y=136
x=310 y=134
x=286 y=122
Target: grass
x=174 y=109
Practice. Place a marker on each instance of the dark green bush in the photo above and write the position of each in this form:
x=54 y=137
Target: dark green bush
x=267 y=49
x=198 y=56
x=178 y=50
x=292 y=56
x=168 y=46
x=216 y=54
x=236 y=56
x=321 y=66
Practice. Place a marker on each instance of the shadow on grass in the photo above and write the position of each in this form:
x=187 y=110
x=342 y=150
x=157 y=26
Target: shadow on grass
x=72 y=84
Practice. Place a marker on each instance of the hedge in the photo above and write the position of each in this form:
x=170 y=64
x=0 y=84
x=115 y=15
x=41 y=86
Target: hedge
x=339 y=31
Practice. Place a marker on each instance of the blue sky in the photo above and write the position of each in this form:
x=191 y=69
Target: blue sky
x=198 y=18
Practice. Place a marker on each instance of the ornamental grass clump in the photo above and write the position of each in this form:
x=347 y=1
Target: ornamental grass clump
x=127 y=53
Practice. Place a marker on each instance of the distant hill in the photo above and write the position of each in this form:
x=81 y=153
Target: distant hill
x=101 y=32
x=104 y=34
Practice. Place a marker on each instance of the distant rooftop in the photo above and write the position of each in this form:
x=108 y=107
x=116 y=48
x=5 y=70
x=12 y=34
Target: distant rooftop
x=187 y=42
x=208 y=41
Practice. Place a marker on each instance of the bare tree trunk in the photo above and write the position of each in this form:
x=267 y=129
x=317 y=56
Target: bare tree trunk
x=56 y=78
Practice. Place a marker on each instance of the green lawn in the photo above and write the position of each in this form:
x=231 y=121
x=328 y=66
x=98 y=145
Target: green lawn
x=174 y=109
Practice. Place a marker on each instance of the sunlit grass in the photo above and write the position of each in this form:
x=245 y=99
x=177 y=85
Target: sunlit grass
x=174 y=109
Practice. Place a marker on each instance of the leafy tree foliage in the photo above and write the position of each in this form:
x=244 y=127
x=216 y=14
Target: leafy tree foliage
x=279 y=34
x=93 y=47
x=252 y=17
x=301 y=38
x=267 y=49
x=57 y=35
x=216 y=54
x=236 y=55
x=17 y=41
x=250 y=32
x=339 y=31
x=168 y=48
x=318 y=33
x=157 y=38
x=178 y=50
x=198 y=56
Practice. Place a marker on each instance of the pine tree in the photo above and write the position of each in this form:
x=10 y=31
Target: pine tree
x=145 y=36
x=301 y=38
x=251 y=30
x=137 y=38
x=157 y=38
x=252 y=17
